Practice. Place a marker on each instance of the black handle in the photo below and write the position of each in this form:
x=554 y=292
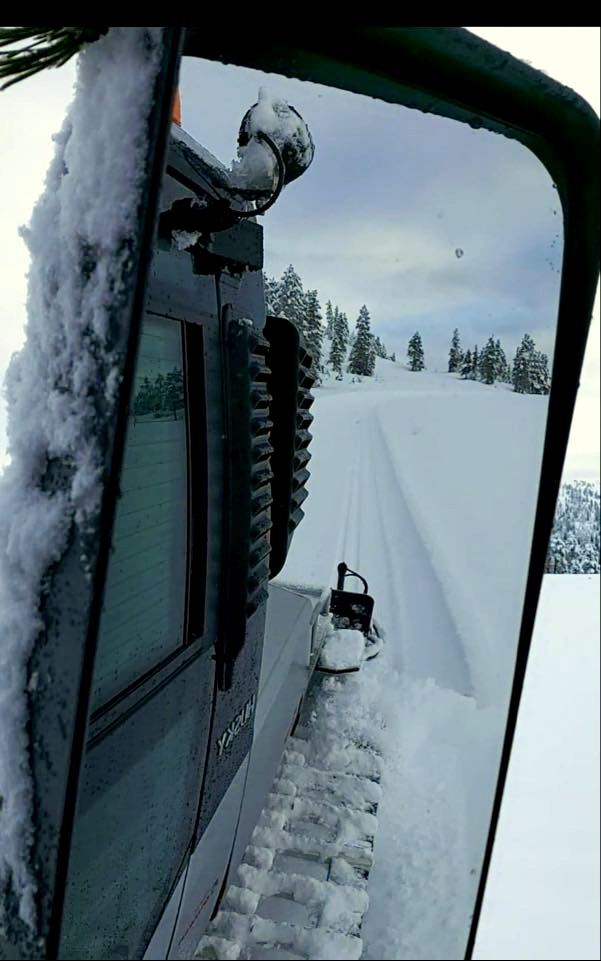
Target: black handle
x=344 y=571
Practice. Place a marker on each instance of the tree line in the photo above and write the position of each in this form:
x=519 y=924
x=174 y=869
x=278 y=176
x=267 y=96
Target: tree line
x=357 y=350
x=161 y=395
x=574 y=545
x=528 y=373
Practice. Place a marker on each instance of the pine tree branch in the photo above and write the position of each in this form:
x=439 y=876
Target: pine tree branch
x=48 y=47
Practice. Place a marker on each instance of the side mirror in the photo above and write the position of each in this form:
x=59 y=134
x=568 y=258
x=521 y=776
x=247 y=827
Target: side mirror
x=281 y=124
x=134 y=306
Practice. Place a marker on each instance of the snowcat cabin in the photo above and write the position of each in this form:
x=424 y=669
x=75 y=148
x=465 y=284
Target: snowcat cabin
x=200 y=664
x=185 y=667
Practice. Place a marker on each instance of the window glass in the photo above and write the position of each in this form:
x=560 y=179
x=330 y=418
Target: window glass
x=138 y=796
x=143 y=613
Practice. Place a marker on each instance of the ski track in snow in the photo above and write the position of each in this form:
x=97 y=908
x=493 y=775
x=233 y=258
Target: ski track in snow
x=379 y=538
x=427 y=634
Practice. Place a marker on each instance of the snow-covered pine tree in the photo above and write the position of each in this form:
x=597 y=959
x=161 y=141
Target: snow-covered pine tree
x=539 y=373
x=393 y=357
x=144 y=399
x=502 y=371
x=589 y=563
x=488 y=362
x=475 y=363
x=159 y=398
x=415 y=352
x=346 y=331
x=290 y=301
x=455 y=353
x=338 y=348
x=380 y=348
x=313 y=328
x=174 y=399
x=521 y=365
x=574 y=546
x=556 y=561
x=270 y=289
x=372 y=354
x=329 y=320
x=466 y=366
x=362 y=357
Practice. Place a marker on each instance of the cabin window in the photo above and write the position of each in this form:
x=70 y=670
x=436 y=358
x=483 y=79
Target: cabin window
x=144 y=600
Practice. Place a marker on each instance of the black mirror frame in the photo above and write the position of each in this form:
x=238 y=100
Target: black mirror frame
x=450 y=72
x=442 y=70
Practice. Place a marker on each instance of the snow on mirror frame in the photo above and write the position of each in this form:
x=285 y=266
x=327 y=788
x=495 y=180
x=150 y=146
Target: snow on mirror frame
x=421 y=259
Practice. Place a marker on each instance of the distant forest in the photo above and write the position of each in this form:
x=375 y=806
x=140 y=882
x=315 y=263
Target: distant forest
x=574 y=545
x=336 y=348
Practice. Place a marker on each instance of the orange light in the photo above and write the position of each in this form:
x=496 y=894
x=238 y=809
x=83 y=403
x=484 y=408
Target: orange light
x=176 y=110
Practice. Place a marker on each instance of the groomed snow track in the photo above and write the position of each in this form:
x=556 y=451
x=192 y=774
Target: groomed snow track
x=301 y=891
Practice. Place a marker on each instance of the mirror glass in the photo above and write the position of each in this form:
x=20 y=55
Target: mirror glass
x=421 y=258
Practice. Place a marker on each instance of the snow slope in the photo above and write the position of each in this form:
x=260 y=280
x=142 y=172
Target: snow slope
x=542 y=900
x=427 y=484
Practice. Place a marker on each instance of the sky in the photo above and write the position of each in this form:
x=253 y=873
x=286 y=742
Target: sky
x=570 y=55
x=430 y=223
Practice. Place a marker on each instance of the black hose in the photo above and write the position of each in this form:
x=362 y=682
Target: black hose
x=257 y=211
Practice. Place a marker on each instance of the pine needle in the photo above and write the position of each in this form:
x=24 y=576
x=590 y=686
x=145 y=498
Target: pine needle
x=39 y=48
